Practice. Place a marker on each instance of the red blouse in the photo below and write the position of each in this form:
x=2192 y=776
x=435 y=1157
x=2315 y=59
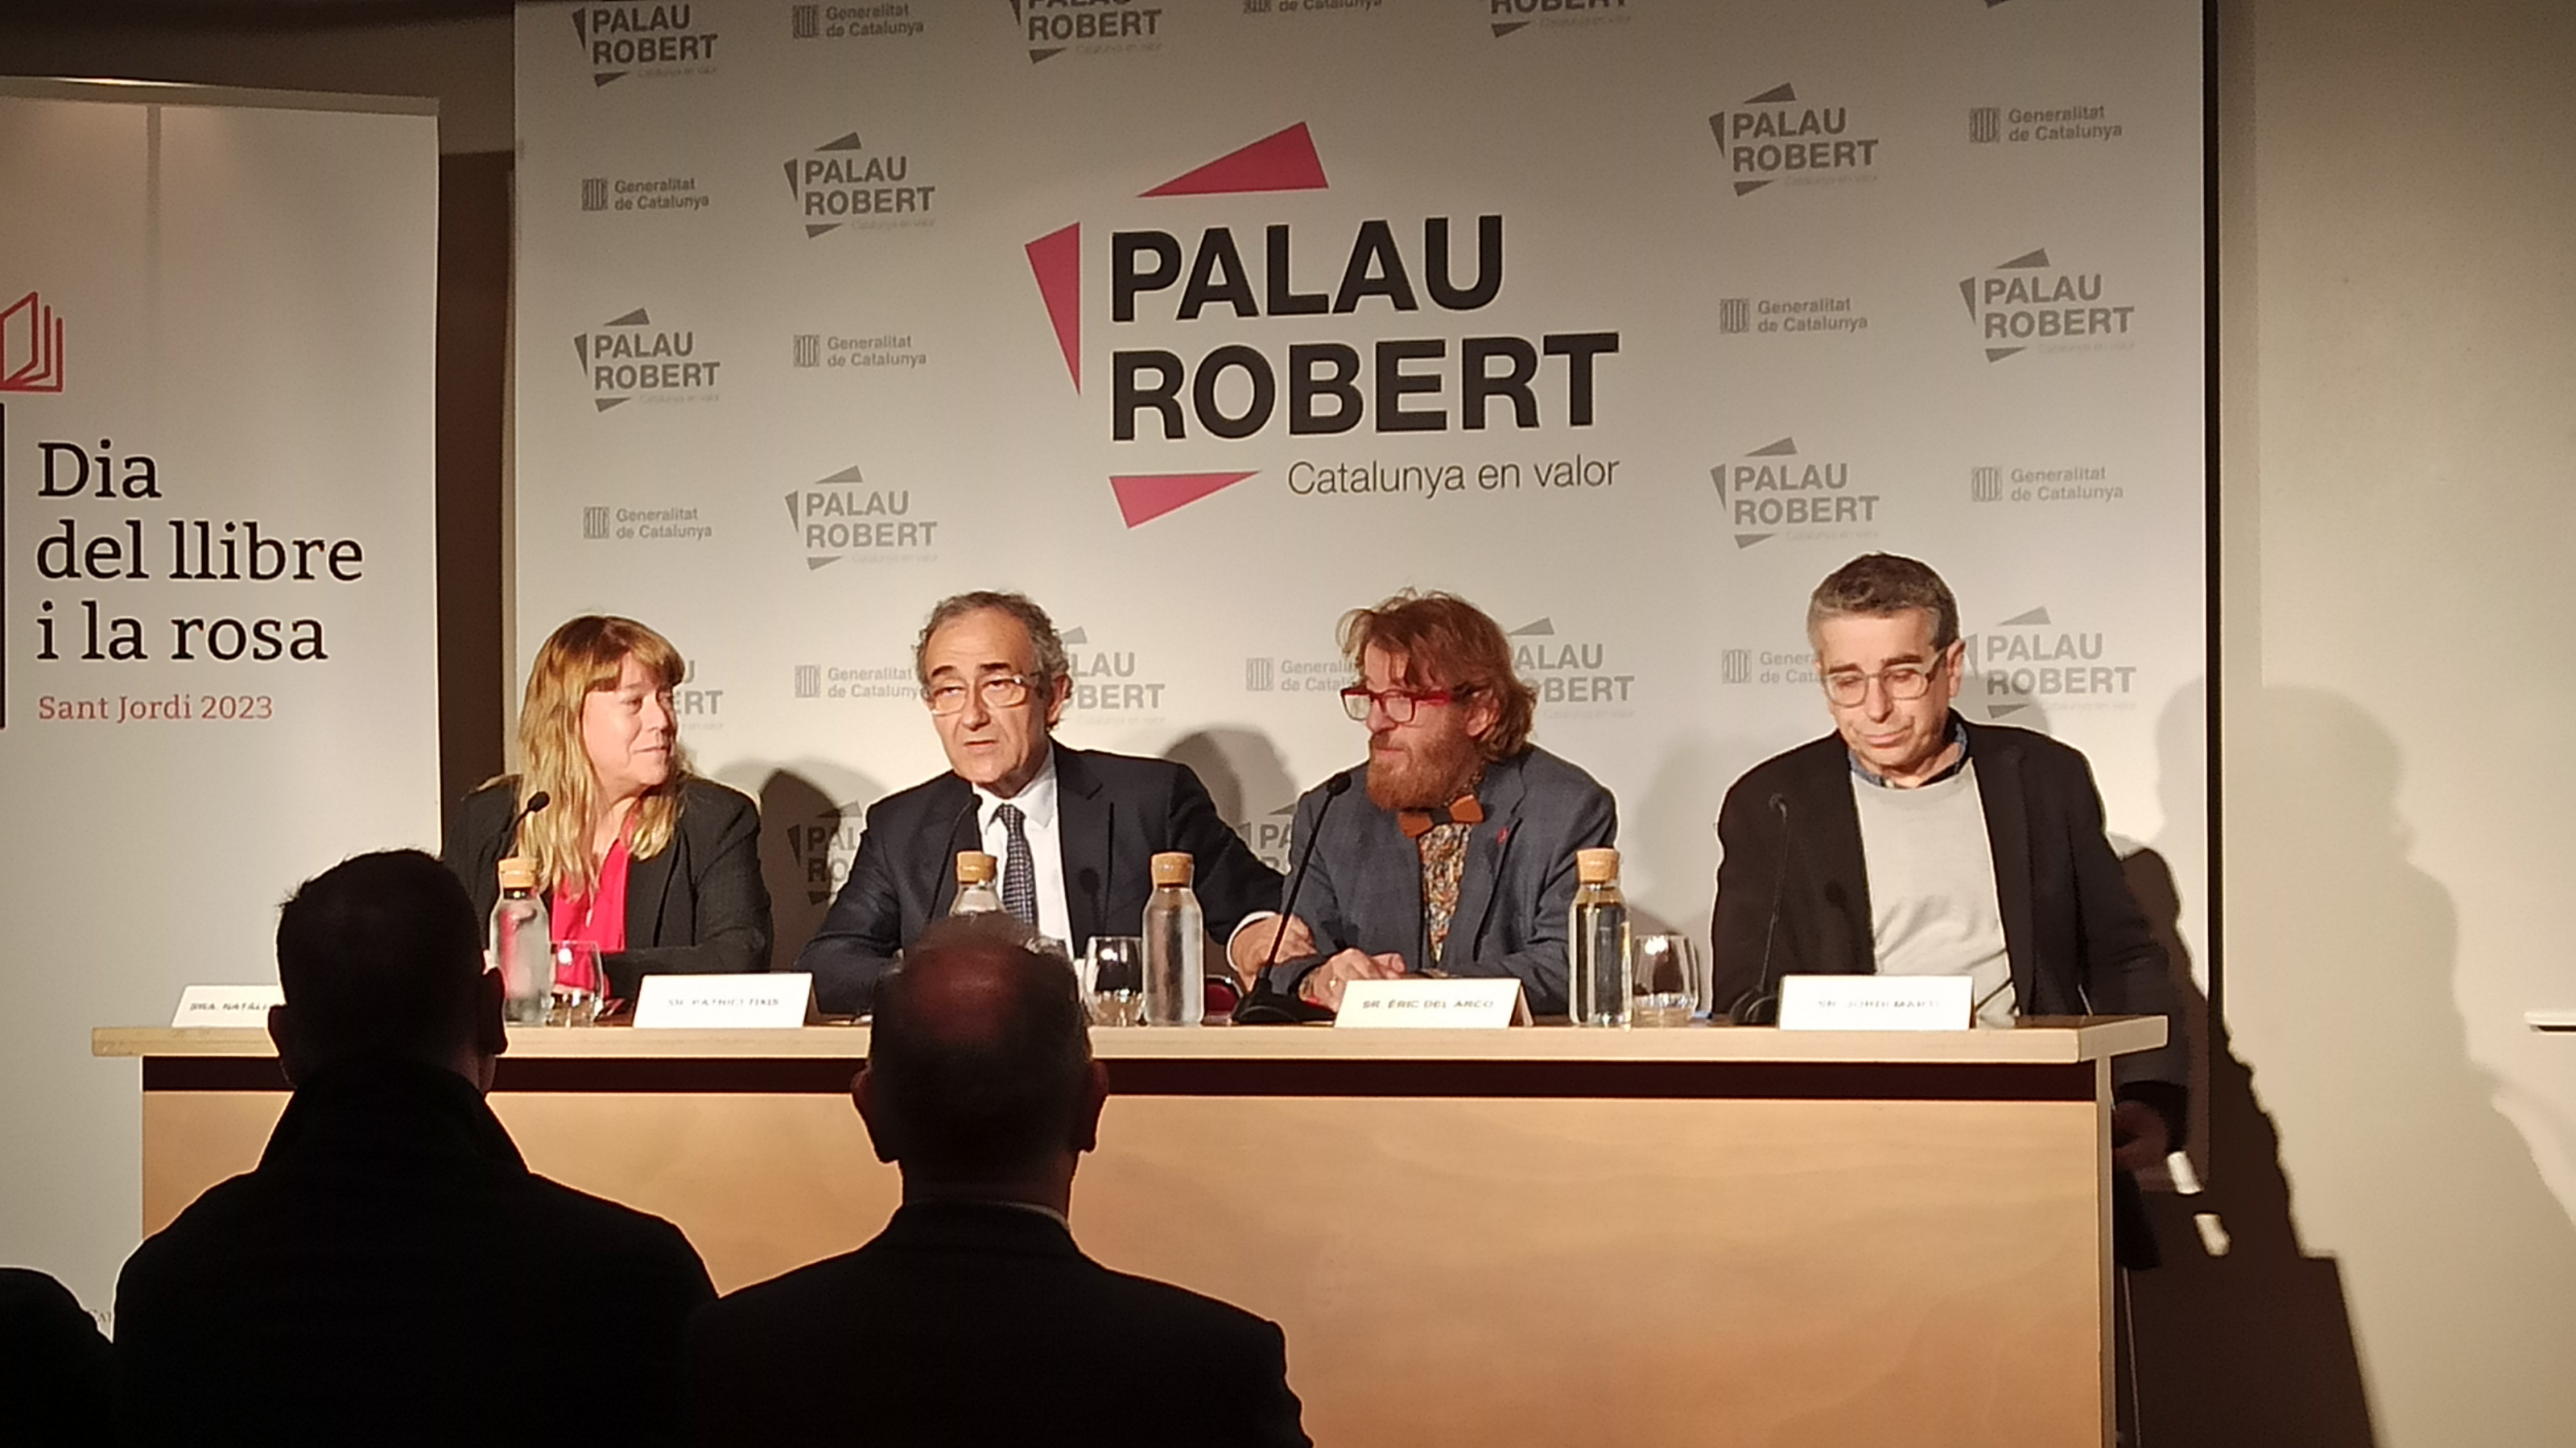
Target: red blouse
x=600 y=916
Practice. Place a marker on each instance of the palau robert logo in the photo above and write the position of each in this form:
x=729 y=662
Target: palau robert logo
x=1788 y=665
x=843 y=183
x=1049 y=28
x=2032 y=660
x=1572 y=674
x=2030 y=302
x=629 y=356
x=886 y=20
x=823 y=845
x=1266 y=830
x=843 y=517
x=2042 y=125
x=698 y=704
x=650 y=41
x=1774 y=491
x=1256 y=326
x=649 y=195
x=2060 y=483
x=1777 y=137
x=1509 y=17
x=31 y=346
x=1108 y=680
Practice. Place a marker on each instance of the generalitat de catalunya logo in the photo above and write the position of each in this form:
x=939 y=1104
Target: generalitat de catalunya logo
x=1314 y=386
x=31 y=346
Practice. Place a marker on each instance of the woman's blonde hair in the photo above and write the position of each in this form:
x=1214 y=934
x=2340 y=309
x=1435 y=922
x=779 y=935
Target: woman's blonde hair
x=581 y=658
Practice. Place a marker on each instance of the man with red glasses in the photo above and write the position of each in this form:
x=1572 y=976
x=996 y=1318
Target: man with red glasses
x=1457 y=858
x=1911 y=842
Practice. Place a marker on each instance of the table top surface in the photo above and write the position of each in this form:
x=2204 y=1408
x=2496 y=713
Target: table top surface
x=2043 y=1041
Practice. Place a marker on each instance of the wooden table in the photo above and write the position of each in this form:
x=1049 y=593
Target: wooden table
x=1545 y=1236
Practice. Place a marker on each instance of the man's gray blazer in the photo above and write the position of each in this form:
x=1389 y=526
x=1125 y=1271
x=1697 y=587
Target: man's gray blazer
x=1363 y=890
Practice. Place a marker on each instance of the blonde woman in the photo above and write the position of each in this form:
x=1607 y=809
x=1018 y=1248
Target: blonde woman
x=657 y=867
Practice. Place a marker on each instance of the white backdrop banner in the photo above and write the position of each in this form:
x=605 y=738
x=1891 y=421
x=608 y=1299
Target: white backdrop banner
x=1206 y=320
x=219 y=675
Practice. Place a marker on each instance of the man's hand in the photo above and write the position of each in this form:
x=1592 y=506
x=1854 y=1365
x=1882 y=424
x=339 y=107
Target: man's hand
x=1251 y=945
x=1323 y=986
x=2138 y=1137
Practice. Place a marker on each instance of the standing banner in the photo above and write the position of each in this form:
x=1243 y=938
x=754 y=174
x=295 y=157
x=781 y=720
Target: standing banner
x=217 y=327
x=1204 y=321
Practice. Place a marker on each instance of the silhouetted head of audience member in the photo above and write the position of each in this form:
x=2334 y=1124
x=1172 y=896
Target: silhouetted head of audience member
x=979 y=1081
x=381 y=958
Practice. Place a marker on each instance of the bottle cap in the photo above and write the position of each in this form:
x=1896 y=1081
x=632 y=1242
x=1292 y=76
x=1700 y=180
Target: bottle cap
x=1596 y=867
x=1173 y=867
x=974 y=867
x=518 y=872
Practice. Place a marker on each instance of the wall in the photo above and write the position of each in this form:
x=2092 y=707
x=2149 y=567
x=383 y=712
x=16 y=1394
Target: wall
x=2399 y=354
x=2398 y=312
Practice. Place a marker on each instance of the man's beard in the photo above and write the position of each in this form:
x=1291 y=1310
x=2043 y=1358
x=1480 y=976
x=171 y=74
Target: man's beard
x=1433 y=772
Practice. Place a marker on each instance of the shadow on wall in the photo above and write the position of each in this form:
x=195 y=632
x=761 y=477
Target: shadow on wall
x=2253 y=1347
x=2458 y=1267
x=1248 y=779
x=806 y=841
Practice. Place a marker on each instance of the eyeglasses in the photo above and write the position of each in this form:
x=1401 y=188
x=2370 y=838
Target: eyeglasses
x=1001 y=691
x=1901 y=681
x=1399 y=704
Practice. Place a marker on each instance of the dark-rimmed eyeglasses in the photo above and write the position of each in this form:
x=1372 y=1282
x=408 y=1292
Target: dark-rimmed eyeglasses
x=1399 y=704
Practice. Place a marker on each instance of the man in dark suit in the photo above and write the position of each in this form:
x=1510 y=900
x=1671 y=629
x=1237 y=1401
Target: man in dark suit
x=1458 y=858
x=973 y=1318
x=392 y=1272
x=1075 y=830
x=1910 y=841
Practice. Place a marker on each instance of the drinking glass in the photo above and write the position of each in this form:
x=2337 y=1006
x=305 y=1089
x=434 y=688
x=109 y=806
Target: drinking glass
x=1113 y=980
x=581 y=987
x=1669 y=985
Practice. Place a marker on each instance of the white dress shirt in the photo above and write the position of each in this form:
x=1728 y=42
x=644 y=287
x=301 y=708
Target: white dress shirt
x=1042 y=826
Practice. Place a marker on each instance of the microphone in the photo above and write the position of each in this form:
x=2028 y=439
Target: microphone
x=510 y=832
x=1761 y=1007
x=1267 y=1005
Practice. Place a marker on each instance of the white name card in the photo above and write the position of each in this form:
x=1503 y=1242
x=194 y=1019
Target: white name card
x=1447 y=1005
x=781 y=1001
x=227 y=1005
x=1876 y=1002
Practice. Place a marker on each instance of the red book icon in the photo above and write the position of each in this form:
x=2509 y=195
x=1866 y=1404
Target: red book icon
x=31 y=347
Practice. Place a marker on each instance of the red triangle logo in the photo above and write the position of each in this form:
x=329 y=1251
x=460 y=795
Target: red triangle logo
x=1285 y=161
x=1056 y=259
x=1143 y=497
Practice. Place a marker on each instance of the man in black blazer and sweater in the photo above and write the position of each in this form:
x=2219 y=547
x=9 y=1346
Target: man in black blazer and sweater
x=1910 y=841
x=1074 y=830
x=973 y=1318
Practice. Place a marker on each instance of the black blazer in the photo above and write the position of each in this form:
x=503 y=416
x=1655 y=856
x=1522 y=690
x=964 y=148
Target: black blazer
x=392 y=1273
x=982 y=1323
x=1116 y=812
x=699 y=907
x=2077 y=942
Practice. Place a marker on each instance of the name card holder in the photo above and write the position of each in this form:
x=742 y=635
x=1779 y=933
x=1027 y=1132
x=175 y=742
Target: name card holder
x=227 y=1005
x=760 y=1002
x=1876 y=1002
x=1445 y=1005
